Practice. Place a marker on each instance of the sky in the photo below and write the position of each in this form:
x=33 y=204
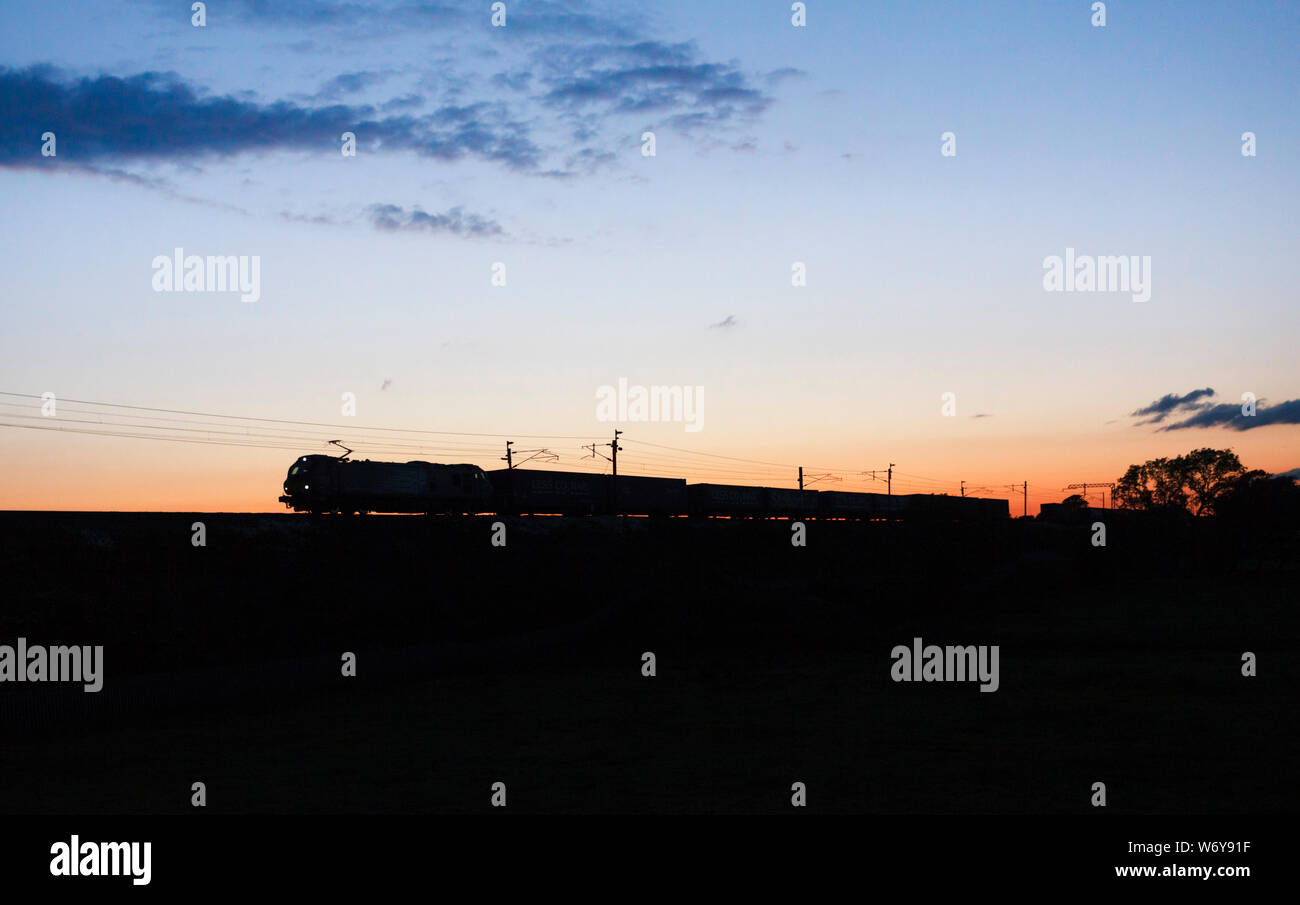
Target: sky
x=519 y=150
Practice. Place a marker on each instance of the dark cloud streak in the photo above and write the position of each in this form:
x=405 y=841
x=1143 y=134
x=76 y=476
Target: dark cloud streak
x=394 y=218
x=1166 y=405
x=349 y=83
x=157 y=116
x=1229 y=415
x=649 y=77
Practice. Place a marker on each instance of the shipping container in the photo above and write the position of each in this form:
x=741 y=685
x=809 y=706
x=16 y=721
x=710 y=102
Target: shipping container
x=844 y=504
x=791 y=503
x=725 y=499
x=525 y=491
x=637 y=495
x=995 y=510
x=939 y=506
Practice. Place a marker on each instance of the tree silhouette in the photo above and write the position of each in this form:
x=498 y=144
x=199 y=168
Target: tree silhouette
x=1196 y=482
x=1261 y=507
x=1155 y=484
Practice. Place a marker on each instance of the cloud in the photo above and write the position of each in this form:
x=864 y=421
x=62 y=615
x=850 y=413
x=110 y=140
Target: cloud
x=384 y=19
x=1195 y=411
x=1293 y=474
x=315 y=219
x=568 y=20
x=347 y=13
x=776 y=76
x=1229 y=415
x=349 y=83
x=728 y=321
x=648 y=77
x=586 y=160
x=405 y=102
x=514 y=81
x=393 y=218
x=1166 y=405
x=157 y=184
x=561 y=67
x=158 y=116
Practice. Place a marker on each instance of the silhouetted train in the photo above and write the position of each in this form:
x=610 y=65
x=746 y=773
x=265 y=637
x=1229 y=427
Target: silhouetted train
x=320 y=484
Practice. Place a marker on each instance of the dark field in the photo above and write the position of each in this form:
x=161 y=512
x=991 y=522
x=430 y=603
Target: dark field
x=523 y=664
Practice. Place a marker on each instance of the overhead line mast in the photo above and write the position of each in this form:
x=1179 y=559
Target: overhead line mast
x=1102 y=484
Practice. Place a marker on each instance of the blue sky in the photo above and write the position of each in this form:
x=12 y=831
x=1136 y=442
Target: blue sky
x=774 y=144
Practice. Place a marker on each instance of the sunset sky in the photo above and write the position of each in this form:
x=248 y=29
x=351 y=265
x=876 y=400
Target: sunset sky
x=522 y=145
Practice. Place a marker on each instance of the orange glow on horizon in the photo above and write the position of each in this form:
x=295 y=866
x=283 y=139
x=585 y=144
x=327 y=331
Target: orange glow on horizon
x=63 y=472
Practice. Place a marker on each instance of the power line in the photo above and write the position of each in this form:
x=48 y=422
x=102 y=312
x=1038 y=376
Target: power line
x=198 y=430
x=343 y=427
x=76 y=430
x=319 y=435
x=713 y=455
